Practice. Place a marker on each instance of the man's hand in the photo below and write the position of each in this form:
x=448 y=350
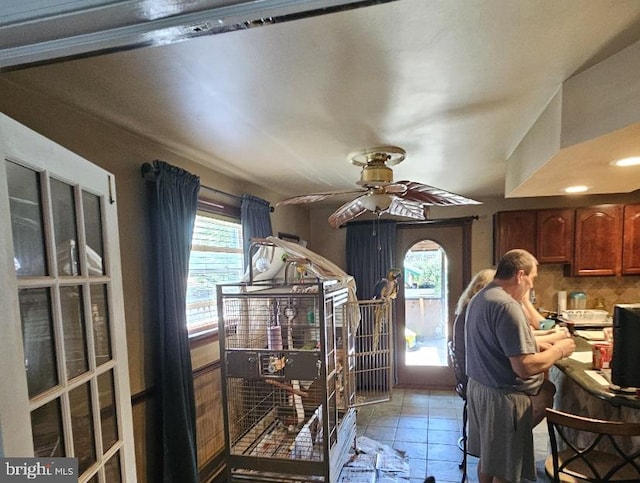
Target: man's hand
x=567 y=346
x=527 y=365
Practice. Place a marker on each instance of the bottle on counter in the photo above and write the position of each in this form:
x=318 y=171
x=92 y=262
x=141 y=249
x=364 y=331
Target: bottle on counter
x=562 y=301
x=577 y=300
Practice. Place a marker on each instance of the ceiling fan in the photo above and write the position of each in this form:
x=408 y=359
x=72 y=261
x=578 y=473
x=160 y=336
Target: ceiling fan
x=379 y=193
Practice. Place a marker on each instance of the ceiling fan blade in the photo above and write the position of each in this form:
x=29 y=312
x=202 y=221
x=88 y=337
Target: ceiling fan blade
x=430 y=195
x=407 y=208
x=313 y=197
x=347 y=212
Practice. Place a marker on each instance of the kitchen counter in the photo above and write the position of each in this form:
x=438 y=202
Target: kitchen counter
x=578 y=393
x=575 y=370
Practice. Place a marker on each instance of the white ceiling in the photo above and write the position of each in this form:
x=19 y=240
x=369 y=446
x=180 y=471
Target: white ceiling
x=456 y=83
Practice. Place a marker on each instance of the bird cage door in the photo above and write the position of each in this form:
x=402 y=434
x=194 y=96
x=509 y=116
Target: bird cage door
x=369 y=352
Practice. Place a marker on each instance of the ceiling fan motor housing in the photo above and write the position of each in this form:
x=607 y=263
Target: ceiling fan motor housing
x=376 y=172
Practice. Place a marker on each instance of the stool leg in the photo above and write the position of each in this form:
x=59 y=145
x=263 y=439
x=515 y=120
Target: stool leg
x=463 y=465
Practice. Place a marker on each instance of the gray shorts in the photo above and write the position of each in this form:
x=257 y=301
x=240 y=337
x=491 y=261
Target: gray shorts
x=500 y=432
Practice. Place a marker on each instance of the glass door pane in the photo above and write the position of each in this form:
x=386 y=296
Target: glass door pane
x=48 y=437
x=74 y=330
x=26 y=221
x=65 y=227
x=38 y=340
x=82 y=427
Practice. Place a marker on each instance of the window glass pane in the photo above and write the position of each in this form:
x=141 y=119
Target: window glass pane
x=48 y=439
x=108 y=414
x=216 y=256
x=26 y=221
x=112 y=469
x=93 y=233
x=82 y=427
x=37 y=336
x=74 y=330
x=101 y=323
x=65 y=227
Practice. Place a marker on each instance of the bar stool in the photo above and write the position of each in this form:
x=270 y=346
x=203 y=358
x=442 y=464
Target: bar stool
x=461 y=390
x=591 y=463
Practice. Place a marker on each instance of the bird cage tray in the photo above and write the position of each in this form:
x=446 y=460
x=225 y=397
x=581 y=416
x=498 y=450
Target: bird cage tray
x=287 y=446
x=277 y=436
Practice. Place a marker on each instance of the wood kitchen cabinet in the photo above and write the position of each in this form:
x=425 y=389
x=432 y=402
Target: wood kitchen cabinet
x=631 y=240
x=514 y=229
x=554 y=235
x=598 y=241
x=547 y=234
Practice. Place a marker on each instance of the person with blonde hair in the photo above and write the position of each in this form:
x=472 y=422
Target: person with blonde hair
x=477 y=283
x=507 y=392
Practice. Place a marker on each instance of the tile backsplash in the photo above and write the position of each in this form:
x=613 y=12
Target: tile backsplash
x=613 y=290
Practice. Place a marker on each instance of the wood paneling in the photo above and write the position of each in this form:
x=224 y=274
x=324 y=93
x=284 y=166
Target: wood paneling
x=209 y=417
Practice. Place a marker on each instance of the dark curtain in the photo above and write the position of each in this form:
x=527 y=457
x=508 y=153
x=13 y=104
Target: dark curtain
x=255 y=217
x=173 y=196
x=370 y=253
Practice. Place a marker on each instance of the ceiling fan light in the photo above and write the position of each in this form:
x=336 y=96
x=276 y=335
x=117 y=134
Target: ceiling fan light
x=376 y=202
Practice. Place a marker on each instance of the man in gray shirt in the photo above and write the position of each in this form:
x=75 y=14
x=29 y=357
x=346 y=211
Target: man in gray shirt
x=507 y=392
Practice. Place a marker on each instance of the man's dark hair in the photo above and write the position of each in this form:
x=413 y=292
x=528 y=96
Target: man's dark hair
x=513 y=261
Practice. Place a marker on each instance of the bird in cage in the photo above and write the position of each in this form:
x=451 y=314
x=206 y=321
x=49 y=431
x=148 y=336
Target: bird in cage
x=386 y=289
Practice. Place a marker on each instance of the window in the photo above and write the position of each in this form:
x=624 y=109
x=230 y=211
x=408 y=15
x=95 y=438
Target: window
x=216 y=256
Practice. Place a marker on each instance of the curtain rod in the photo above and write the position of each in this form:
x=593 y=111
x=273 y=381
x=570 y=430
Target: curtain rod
x=432 y=221
x=148 y=168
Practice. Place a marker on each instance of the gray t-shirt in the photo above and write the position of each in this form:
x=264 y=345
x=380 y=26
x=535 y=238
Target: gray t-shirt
x=495 y=329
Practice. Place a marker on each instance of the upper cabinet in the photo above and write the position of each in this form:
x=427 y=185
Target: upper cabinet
x=514 y=229
x=554 y=236
x=598 y=243
x=631 y=240
x=547 y=234
x=598 y=240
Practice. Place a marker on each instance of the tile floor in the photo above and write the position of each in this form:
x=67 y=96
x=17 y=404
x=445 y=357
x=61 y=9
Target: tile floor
x=426 y=425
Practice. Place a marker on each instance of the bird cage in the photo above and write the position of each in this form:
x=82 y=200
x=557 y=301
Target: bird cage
x=291 y=373
x=370 y=358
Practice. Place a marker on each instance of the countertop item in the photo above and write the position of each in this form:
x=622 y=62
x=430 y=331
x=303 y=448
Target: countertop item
x=577 y=300
x=586 y=318
x=562 y=301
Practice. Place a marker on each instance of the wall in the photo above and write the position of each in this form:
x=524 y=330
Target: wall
x=613 y=290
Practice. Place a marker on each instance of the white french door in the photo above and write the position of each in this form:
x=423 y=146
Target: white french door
x=63 y=356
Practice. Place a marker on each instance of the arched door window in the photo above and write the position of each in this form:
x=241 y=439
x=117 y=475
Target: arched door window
x=426 y=305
